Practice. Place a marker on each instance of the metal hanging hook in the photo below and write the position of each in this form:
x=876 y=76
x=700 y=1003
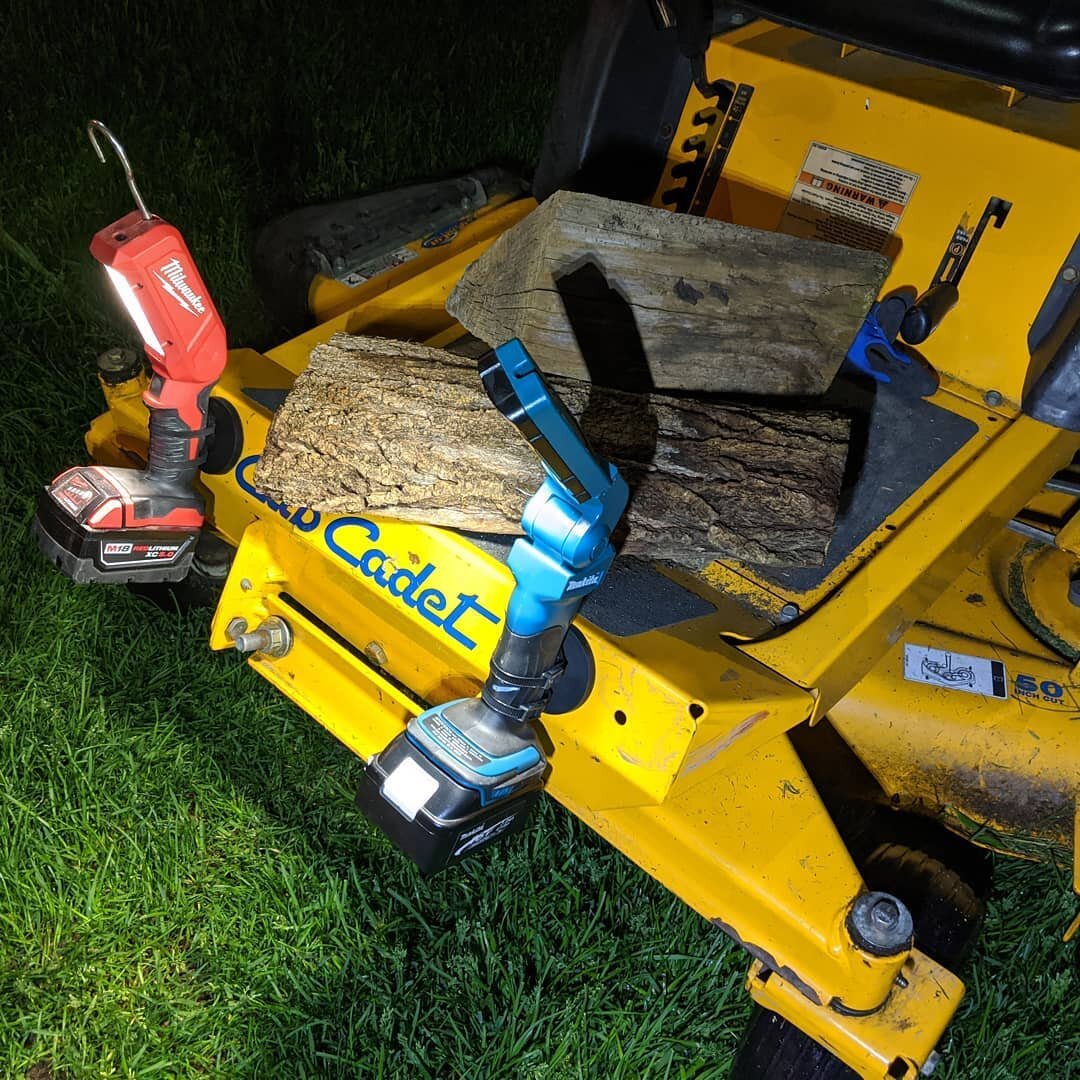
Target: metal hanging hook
x=92 y=128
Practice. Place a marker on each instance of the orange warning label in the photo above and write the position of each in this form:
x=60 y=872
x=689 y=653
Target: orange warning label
x=847 y=199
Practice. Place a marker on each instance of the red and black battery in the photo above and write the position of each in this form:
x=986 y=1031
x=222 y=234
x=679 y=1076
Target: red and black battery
x=101 y=524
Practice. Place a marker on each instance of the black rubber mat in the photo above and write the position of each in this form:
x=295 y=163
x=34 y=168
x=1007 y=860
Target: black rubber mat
x=634 y=597
x=899 y=440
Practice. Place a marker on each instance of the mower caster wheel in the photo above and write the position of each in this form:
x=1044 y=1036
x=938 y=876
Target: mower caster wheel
x=948 y=915
x=947 y=911
x=203 y=584
x=775 y=1049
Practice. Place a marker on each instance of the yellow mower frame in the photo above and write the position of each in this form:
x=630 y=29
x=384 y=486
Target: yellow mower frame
x=681 y=756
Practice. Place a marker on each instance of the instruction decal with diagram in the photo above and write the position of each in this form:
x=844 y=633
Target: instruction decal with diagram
x=955 y=671
x=846 y=198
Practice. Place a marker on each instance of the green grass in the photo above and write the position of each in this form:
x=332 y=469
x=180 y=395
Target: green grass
x=185 y=885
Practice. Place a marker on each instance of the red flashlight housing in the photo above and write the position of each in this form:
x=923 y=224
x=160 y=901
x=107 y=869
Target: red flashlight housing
x=151 y=256
x=100 y=524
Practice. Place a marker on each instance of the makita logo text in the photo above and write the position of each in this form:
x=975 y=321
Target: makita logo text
x=584 y=582
x=174 y=281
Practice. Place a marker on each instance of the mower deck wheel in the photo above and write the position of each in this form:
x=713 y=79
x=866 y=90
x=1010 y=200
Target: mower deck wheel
x=948 y=915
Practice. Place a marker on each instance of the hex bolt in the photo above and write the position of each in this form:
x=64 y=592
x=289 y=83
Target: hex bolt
x=116 y=366
x=789 y=613
x=880 y=924
x=374 y=651
x=1069 y=273
x=993 y=398
x=885 y=914
x=272 y=637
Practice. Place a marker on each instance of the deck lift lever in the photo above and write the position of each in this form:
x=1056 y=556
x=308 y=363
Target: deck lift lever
x=114 y=525
x=914 y=320
x=468 y=772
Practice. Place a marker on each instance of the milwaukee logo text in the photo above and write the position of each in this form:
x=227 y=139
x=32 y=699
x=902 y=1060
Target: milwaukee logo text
x=174 y=280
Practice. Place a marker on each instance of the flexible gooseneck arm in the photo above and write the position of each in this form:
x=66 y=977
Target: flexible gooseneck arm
x=566 y=549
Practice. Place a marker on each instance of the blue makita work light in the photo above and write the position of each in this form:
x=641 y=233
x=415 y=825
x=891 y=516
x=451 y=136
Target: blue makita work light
x=465 y=773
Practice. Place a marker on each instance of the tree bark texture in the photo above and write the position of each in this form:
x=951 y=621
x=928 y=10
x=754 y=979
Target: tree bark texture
x=394 y=429
x=640 y=298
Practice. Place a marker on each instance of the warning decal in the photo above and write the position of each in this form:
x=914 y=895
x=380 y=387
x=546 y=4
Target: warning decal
x=847 y=199
x=955 y=671
x=374 y=267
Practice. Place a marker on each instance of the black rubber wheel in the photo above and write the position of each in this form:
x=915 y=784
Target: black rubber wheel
x=948 y=915
x=774 y=1049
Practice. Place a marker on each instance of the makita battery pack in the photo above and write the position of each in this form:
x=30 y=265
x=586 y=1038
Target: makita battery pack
x=433 y=817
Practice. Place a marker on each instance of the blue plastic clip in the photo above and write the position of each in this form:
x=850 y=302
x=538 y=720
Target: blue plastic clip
x=872 y=339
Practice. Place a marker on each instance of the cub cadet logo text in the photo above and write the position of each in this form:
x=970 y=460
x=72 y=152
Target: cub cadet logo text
x=349 y=539
x=175 y=284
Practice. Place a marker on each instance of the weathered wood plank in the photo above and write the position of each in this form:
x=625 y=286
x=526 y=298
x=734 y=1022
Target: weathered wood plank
x=640 y=298
x=401 y=430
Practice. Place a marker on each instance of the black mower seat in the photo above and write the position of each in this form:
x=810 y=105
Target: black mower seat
x=1033 y=45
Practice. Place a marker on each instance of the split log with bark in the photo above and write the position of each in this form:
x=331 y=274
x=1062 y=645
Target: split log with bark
x=641 y=298
x=395 y=429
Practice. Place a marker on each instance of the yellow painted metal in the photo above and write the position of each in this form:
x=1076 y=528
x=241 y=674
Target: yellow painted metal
x=751 y=847
x=663 y=792
x=1008 y=770
x=896 y=1041
x=1068 y=537
x=1038 y=585
x=839 y=642
x=332 y=684
x=688 y=704
x=687 y=696
x=680 y=756
x=683 y=695
x=650 y=760
x=1004 y=772
x=969 y=146
x=328 y=297
x=119 y=435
